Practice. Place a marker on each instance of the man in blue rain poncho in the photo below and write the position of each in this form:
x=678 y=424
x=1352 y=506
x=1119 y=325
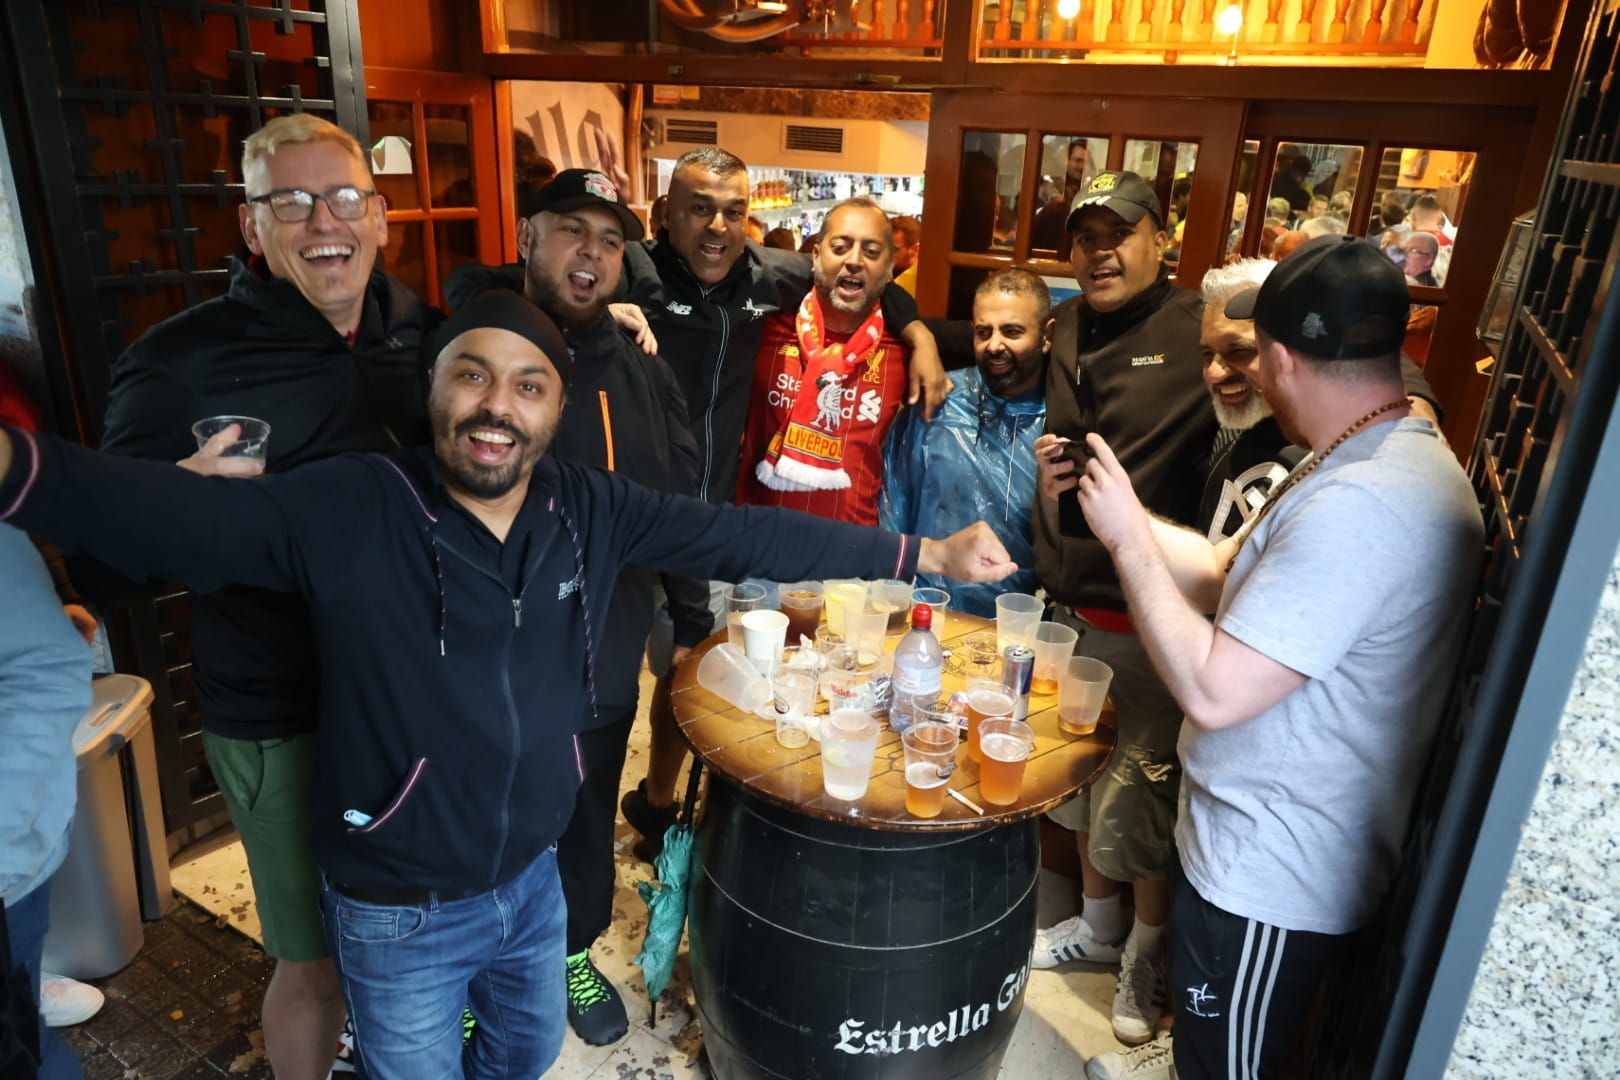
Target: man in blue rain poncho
x=976 y=460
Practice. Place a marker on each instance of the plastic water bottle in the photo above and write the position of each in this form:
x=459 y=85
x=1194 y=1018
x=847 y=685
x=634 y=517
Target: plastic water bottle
x=917 y=665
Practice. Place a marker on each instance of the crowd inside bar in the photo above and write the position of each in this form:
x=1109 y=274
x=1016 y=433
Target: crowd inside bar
x=906 y=587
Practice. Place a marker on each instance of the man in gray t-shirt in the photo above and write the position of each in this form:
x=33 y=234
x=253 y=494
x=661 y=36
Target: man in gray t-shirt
x=1311 y=700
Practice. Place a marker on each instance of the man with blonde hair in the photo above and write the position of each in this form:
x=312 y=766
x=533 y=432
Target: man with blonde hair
x=313 y=338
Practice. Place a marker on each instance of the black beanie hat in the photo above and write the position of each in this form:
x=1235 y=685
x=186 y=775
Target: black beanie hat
x=503 y=309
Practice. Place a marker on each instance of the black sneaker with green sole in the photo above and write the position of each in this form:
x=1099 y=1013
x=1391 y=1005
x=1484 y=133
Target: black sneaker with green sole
x=595 y=1010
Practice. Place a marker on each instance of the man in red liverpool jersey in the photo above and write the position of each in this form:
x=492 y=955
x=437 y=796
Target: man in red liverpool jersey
x=829 y=380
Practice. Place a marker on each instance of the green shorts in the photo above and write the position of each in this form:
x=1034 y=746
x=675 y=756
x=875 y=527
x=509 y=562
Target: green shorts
x=266 y=788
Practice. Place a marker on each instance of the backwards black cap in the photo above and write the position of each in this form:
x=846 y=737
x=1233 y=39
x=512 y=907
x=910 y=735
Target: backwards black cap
x=1123 y=192
x=503 y=309
x=572 y=189
x=1334 y=298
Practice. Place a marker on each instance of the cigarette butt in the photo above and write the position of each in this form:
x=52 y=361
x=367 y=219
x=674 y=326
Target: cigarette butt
x=964 y=800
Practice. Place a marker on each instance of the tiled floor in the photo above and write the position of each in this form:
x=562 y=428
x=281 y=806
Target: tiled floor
x=187 y=1007
x=1064 y=1021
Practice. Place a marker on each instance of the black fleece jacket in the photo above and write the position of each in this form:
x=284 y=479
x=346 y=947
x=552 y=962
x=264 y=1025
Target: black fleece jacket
x=1134 y=376
x=454 y=667
x=262 y=350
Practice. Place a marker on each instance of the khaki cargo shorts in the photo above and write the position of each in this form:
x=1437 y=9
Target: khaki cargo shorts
x=1130 y=810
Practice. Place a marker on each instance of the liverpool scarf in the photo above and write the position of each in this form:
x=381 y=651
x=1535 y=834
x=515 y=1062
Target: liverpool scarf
x=808 y=453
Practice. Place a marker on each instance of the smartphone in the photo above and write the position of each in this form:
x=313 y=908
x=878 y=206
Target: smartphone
x=1071 y=519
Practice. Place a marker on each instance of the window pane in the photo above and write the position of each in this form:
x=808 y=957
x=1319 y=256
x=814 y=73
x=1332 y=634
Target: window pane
x=1420 y=192
x=394 y=118
x=1068 y=162
x=403 y=256
x=450 y=168
x=456 y=243
x=1311 y=182
x=987 y=191
x=1169 y=167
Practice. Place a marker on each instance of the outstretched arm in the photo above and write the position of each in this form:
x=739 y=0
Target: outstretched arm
x=150 y=520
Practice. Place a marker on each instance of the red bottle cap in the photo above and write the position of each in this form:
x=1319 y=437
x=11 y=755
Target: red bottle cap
x=922 y=617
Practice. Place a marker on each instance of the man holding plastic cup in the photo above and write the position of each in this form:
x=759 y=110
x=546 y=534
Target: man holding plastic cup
x=445 y=768
x=315 y=340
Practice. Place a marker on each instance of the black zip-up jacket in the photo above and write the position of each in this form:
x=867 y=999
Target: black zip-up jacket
x=263 y=350
x=1134 y=376
x=454 y=667
x=626 y=414
x=711 y=336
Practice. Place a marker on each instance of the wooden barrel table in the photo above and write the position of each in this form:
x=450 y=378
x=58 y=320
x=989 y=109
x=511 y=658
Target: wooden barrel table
x=834 y=939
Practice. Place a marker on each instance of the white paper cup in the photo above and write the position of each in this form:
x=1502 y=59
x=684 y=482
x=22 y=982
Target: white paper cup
x=764 y=634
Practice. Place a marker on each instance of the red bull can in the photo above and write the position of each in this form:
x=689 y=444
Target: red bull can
x=1017 y=670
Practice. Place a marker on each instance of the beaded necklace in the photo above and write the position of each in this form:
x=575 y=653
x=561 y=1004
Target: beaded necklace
x=1299 y=474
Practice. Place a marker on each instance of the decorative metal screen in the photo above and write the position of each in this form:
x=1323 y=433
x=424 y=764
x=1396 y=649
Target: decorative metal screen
x=135 y=113
x=1551 y=400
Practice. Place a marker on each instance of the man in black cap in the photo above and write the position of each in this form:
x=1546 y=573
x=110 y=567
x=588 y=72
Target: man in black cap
x=625 y=414
x=1312 y=697
x=1125 y=364
x=456 y=592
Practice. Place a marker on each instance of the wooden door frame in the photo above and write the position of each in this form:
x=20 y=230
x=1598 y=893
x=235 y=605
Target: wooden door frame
x=492 y=180
x=1216 y=125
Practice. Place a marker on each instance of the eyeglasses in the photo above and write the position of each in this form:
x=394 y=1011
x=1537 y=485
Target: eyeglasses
x=292 y=205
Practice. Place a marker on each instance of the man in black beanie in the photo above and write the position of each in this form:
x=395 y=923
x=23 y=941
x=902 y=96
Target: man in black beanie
x=626 y=414
x=456 y=594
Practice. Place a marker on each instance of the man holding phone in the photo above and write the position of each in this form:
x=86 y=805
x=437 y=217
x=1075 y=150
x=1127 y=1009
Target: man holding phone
x=1126 y=365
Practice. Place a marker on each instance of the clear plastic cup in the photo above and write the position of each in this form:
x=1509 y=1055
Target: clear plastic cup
x=793 y=695
x=937 y=599
x=848 y=745
x=1017 y=615
x=930 y=749
x=841 y=595
x=252 y=441
x=1085 y=688
x=726 y=671
x=892 y=598
x=1005 y=746
x=848 y=672
x=802 y=603
x=764 y=633
x=864 y=627
x=1054 y=646
x=987 y=699
x=744 y=597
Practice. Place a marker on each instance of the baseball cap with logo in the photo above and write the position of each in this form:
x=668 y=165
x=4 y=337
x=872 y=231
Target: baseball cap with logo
x=572 y=189
x=1335 y=298
x=1125 y=193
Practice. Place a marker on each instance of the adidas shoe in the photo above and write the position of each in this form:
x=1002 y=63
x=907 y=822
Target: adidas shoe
x=1140 y=996
x=1150 y=1061
x=1072 y=939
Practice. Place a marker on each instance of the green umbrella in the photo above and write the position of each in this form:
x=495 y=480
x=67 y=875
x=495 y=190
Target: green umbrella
x=666 y=897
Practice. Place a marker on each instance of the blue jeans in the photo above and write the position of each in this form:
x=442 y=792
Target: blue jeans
x=408 y=970
x=26 y=922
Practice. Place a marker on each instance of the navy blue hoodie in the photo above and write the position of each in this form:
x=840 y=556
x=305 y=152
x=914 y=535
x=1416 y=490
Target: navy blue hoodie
x=454 y=668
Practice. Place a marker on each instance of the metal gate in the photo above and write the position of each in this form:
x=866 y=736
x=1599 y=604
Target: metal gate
x=125 y=121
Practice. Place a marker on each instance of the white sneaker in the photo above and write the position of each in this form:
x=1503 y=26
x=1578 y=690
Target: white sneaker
x=64 y=1002
x=1139 y=997
x=1151 y=1061
x=1072 y=939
